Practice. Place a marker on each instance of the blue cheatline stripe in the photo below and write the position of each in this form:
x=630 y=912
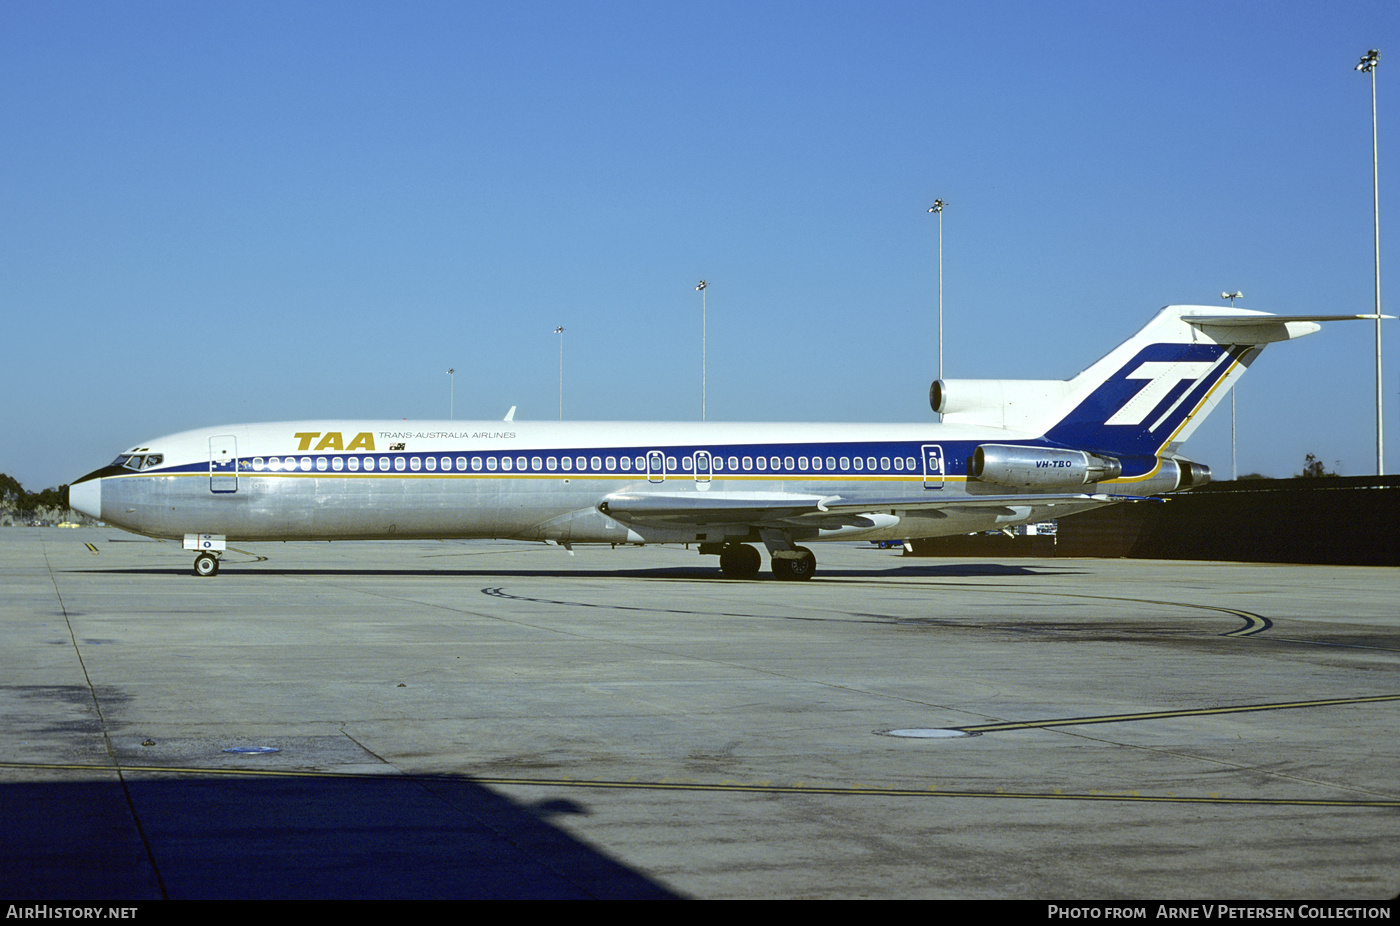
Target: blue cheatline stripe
x=878 y=460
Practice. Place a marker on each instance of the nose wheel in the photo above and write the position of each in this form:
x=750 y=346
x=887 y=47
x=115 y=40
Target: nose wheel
x=206 y=564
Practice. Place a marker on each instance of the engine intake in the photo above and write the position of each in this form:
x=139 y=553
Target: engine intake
x=1040 y=467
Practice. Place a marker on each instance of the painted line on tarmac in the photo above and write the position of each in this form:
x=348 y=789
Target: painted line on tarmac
x=728 y=787
x=1253 y=623
x=500 y=592
x=1166 y=715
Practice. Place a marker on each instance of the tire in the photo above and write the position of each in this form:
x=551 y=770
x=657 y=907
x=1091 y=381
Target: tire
x=740 y=561
x=206 y=564
x=804 y=567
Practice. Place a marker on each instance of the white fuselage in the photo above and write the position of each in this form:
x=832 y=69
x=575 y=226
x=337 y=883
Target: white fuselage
x=331 y=480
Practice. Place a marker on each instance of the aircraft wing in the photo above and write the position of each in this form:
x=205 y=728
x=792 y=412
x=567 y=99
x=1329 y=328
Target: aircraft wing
x=770 y=508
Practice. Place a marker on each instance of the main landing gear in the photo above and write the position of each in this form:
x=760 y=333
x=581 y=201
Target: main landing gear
x=741 y=561
x=206 y=564
x=799 y=563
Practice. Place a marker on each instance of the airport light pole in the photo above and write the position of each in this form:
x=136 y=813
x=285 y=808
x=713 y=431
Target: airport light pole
x=937 y=209
x=1234 y=467
x=700 y=287
x=1368 y=65
x=560 y=331
x=451 y=393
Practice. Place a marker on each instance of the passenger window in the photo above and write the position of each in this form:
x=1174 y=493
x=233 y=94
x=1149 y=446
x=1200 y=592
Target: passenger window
x=415 y=464
x=369 y=464
x=551 y=464
x=610 y=463
x=885 y=464
x=536 y=464
x=858 y=464
x=567 y=463
x=748 y=463
x=505 y=464
x=761 y=463
x=384 y=464
x=491 y=464
x=520 y=464
x=354 y=464
x=789 y=465
x=734 y=464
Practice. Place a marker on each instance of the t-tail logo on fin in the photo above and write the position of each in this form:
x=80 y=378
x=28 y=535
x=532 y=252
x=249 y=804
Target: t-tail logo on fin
x=1143 y=406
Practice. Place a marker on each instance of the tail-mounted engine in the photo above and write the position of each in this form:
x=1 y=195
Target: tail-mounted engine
x=1040 y=467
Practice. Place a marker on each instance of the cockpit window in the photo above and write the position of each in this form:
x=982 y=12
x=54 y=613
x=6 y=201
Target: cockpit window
x=139 y=461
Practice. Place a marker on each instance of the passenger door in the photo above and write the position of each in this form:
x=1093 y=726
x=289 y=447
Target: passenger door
x=223 y=464
x=933 y=466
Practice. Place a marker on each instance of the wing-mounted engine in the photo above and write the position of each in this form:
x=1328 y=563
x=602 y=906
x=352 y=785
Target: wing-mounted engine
x=1040 y=467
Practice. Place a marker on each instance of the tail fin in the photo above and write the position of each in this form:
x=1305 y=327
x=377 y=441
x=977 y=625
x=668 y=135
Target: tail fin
x=1146 y=396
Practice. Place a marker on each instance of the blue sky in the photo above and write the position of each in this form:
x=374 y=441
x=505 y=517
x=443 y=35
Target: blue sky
x=214 y=213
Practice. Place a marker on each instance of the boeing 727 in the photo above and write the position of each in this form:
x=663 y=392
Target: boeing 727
x=1006 y=452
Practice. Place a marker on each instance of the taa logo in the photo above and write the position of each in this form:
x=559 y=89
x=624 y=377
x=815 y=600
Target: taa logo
x=334 y=440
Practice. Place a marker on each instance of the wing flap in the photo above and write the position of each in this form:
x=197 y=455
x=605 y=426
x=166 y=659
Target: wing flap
x=766 y=508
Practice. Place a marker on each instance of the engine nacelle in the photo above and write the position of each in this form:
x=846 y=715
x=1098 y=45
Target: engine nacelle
x=1040 y=467
x=1191 y=474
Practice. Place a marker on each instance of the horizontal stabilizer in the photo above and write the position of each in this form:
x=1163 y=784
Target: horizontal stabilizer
x=1265 y=329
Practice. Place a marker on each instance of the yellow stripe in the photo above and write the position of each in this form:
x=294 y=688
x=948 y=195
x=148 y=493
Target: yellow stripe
x=727 y=786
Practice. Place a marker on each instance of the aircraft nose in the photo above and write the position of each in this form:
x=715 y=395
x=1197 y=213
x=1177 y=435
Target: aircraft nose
x=86 y=496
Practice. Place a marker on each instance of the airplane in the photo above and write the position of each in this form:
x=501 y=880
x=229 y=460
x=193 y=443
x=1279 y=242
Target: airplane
x=1005 y=452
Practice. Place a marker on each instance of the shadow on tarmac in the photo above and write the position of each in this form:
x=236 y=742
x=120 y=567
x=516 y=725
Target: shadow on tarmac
x=216 y=837
x=686 y=573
